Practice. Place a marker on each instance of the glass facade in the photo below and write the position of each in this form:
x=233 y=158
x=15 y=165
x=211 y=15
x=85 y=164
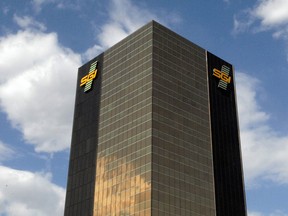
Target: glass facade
x=182 y=176
x=123 y=178
x=143 y=143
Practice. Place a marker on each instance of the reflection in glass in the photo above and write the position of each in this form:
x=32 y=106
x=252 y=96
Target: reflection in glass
x=121 y=191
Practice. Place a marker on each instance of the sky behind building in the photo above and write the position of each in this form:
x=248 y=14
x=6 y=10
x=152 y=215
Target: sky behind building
x=43 y=42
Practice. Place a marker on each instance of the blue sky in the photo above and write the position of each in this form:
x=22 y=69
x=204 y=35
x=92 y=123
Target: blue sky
x=43 y=42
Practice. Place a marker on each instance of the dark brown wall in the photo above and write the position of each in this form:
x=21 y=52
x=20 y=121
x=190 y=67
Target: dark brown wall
x=228 y=177
x=82 y=165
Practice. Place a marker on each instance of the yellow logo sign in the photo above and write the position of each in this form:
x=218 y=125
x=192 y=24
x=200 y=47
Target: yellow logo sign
x=223 y=75
x=88 y=79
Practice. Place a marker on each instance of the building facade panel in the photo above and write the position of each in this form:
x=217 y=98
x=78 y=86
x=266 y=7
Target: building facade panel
x=182 y=178
x=123 y=179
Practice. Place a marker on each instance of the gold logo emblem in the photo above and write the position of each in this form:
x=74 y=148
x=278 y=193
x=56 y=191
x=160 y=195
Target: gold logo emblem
x=88 y=79
x=223 y=75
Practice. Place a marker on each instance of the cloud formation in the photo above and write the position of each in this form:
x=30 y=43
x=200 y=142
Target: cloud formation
x=38 y=5
x=6 y=153
x=28 y=22
x=24 y=193
x=272 y=12
x=37 y=85
x=265 y=15
x=264 y=150
x=275 y=213
x=254 y=214
x=124 y=17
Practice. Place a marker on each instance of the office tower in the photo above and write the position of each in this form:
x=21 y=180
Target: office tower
x=155 y=131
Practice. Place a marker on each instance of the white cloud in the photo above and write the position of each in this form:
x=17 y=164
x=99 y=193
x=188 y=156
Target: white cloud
x=38 y=4
x=251 y=113
x=275 y=213
x=124 y=17
x=272 y=15
x=28 y=22
x=37 y=87
x=243 y=21
x=254 y=214
x=278 y=213
x=24 y=193
x=272 y=12
x=264 y=150
x=6 y=153
x=92 y=52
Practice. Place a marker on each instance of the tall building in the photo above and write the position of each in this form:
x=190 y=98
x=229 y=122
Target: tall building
x=155 y=131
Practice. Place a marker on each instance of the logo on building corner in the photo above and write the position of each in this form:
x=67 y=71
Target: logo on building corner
x=223 y=75
x=88 y=79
